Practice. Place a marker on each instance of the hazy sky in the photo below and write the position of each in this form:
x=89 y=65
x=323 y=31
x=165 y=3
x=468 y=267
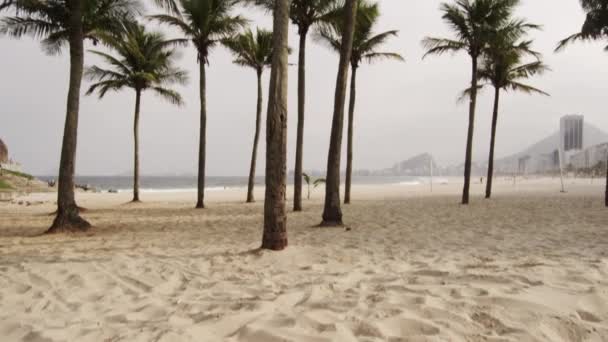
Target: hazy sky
x=403 y=108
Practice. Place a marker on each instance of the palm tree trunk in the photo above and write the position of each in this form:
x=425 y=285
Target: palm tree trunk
x=492 y=143
x=258 y=120
x=68 y=218
x=349 y=148
x=332 y=213
x=308 y=195
x=200 y=203
x=136 y=147
x=469 y=152
x=275 y=213
x=297 y=183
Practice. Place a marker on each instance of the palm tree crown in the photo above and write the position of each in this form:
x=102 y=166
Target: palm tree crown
x=304 y=13
x=49 y=20
x=473 y=22
x=251 y=50
x=501 y=64
x=145 y=62
x=365 y=42
x=595 y=26
x=205 y=22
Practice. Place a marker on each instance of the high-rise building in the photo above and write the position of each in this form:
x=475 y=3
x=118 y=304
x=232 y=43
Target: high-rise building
x=572 y=133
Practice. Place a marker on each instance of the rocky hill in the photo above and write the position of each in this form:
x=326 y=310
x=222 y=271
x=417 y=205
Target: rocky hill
x=16 y=182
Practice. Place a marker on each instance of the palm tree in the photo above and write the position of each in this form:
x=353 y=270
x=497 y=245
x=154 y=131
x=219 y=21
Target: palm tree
x=305 y=14
x=595 y=27
x=206 y=23
x=365 y=48
x=275 y=214
x=145 y=62
x=502 y=68
x=57 y=23
x=332 y=213
x=253 y=51
x=474 y=22
x=310 y=181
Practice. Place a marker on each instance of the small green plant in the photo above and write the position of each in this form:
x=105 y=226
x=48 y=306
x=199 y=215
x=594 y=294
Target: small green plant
x=18 y=174
x=4 y=185
x=312 y=182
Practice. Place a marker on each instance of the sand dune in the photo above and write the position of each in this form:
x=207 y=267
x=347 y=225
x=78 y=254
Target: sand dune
x=530 y=265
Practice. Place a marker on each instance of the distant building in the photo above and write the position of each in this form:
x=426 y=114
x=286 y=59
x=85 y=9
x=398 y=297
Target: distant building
x=590 y=157
x=574 y=136
x=572 y=132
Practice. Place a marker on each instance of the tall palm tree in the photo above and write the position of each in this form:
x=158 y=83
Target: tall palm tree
x=305 y=14
x=595 y=27
x=365 y=49
x=502 y=68
x=275 y=214
x=253 y=51
x=206 y=23
x=57 y=23
x=145 y=61
x=332 y=213
x=474 y=23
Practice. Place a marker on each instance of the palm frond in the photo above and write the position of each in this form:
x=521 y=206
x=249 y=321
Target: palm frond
x=371 y=57
x=171 y=96
x=174 y=21
x=170 y=5
x=466 y=94
x=306 y=177
x=571 y=39
x=440 y=46
x=526 y=89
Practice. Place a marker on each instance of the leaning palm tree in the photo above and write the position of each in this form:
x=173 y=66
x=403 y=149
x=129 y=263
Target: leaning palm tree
x=305 y=14
x=145 y=62
x=595 y=27
x=332 y=212
x=58 y=23
x=275 y=214
x=502 y=68
x=253 y=51
x=206 y=23
x=474 y=23
x=365 y=49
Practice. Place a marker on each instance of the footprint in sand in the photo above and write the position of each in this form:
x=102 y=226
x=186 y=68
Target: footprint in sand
x=431 y=273
x=492 y=324
x=401 y=326
x=588 y=316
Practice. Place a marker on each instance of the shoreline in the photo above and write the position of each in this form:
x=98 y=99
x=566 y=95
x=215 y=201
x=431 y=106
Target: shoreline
x=503 y=186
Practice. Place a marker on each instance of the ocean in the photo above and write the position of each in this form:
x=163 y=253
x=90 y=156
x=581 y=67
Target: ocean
x=214 y=183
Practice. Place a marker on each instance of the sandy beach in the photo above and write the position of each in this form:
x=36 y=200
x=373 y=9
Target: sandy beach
x=529 y=265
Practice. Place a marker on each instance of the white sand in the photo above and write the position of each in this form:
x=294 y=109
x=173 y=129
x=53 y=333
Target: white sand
x=529 y=265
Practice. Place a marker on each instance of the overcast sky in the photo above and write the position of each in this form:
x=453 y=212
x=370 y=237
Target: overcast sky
x=403 y=108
